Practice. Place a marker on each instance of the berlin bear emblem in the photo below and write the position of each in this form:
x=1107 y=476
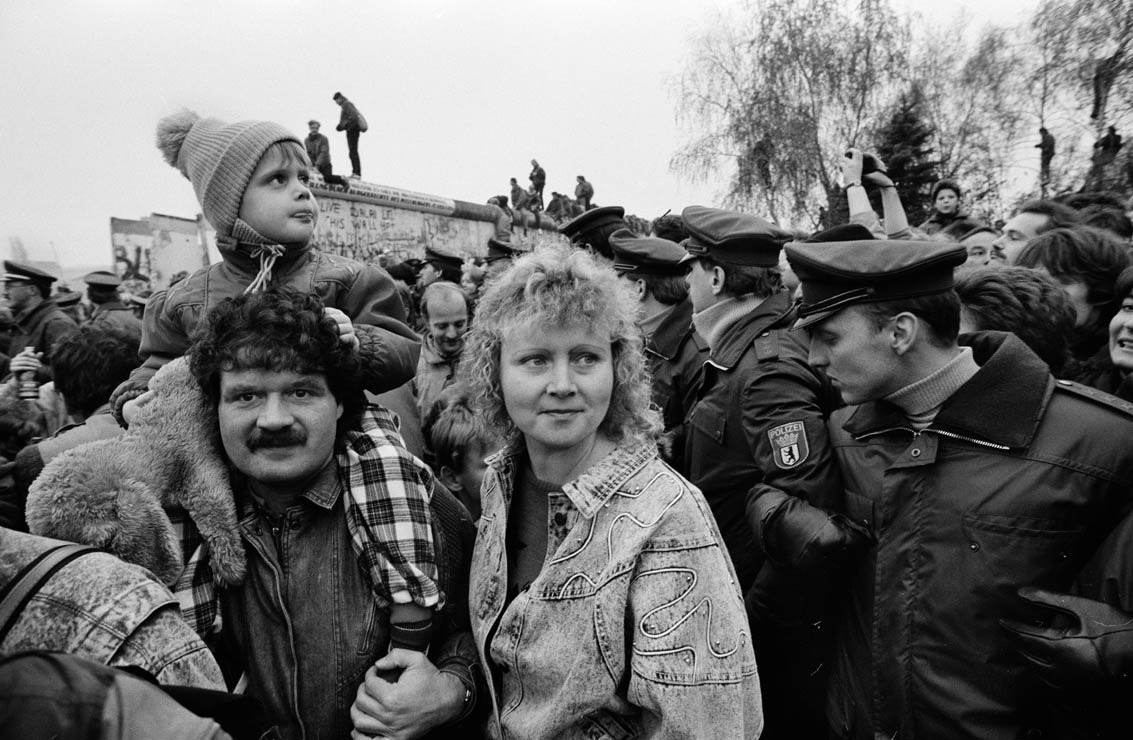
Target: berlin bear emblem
x=788 y=444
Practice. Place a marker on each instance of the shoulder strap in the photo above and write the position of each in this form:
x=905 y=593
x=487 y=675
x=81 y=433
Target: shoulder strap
x=767 y=346
x=15 y=596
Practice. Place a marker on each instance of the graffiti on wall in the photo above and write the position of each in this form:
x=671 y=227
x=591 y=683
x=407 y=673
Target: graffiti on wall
x=153 y=250
x=366 y=231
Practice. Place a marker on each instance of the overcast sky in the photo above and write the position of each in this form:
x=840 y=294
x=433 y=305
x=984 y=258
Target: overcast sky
x=459 y=96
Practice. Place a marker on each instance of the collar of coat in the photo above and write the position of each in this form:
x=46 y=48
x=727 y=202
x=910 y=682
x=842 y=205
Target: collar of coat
x=29 y=318
x=1002 y=404
x=591 y=490
x=240 y=248
x=432 y=356
x=672 y=331
x=775 y=311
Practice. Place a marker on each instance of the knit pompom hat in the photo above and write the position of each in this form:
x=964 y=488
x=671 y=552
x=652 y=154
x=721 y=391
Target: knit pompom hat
x=218 y=158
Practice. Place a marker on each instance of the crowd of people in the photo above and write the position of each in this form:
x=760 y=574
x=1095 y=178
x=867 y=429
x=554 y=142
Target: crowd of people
x=717 y=480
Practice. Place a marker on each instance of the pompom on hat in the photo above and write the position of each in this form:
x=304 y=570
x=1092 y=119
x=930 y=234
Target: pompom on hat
x=218 y=158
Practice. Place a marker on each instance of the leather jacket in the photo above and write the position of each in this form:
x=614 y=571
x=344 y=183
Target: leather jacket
x=675 y=356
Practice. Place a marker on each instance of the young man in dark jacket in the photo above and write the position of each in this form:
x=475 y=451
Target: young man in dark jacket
x=976 y=474
x=352 y=122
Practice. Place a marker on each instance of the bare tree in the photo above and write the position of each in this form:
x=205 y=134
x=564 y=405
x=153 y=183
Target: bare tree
x=775 y=92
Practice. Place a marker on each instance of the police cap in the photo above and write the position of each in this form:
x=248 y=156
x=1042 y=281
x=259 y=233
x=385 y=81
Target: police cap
x=577 y=228
x=646 y=255
x=842 y=233
x=836 y=275
x=102 y=279
x=441 y=260
x=66 y=300
x=732 y=238
x=498 y=249
x=20 y=272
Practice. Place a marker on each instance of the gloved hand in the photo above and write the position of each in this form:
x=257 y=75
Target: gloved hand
x=795 y=534
x=6 y=469
x=1089 y=641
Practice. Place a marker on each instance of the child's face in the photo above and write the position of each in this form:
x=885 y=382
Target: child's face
x=277 y=202
x=947 y=201
x=473 y=468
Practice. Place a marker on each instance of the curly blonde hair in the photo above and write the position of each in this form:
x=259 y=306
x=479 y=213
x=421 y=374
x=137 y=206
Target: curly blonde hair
x=561 y=286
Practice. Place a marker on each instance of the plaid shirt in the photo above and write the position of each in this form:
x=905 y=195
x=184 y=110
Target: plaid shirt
x=386 y=494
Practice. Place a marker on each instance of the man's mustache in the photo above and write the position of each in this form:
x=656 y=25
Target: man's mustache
x=285 y=438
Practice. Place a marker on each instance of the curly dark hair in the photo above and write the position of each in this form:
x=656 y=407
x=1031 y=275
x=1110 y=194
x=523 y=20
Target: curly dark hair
x=279 y=330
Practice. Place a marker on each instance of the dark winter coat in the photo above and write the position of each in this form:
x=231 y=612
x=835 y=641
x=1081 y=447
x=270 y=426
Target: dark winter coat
x=1015 y=483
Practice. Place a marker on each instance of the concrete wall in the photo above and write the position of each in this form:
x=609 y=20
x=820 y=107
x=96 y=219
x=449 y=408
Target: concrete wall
x=370 y=220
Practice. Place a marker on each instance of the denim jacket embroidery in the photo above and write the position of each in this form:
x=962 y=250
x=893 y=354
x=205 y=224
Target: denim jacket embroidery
x=632 y=553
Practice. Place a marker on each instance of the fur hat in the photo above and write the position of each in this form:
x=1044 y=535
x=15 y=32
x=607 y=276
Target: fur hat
x=218 y=158
x=113 y=493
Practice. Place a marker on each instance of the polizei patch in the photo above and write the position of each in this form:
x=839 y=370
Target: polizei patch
x=789 y=445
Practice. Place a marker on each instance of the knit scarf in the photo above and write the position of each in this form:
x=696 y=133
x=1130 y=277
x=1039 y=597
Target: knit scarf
x=385 y=490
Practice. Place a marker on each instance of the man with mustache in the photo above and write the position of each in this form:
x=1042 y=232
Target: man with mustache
x=326 y=497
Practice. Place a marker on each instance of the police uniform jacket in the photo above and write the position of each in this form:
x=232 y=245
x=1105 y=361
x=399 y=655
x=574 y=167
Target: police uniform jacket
x=41 y=328
x=759 y=425
x=1014 y=483
x=117 y=315
x=675 y=355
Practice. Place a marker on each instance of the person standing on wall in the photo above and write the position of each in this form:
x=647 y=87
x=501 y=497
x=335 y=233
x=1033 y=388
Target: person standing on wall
x=354 y=124
x=538 y=178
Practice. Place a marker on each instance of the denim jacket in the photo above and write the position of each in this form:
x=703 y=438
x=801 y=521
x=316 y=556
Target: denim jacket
x=304 y=624
x=109 y=611
x=634 y=627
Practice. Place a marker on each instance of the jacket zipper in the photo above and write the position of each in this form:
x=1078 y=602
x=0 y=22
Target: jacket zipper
x=980 y=442
x=941 y=432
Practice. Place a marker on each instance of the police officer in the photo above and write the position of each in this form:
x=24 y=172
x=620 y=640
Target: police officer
x=437 y=266
x=39 y=322
x=675 y=353
x=975 y=472
x=102 y=292
x=758 y=450
x=593 y=229
x=500 y=255
x=70 y=303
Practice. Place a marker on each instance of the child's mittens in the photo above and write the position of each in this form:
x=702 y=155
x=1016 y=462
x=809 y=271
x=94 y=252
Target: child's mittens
x=124 y=393
x=346 y=333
